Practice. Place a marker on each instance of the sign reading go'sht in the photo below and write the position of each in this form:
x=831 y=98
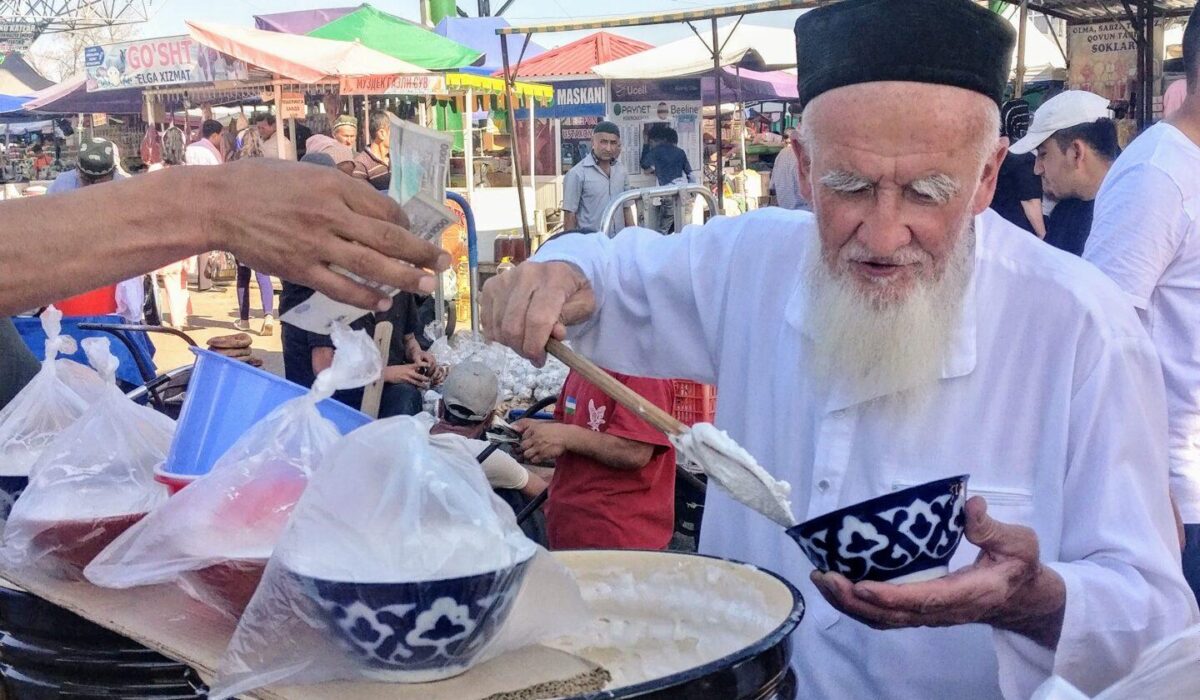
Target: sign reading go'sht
x=176 y=60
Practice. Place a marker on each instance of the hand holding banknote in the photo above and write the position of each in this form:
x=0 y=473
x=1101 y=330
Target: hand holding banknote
x=420 y=167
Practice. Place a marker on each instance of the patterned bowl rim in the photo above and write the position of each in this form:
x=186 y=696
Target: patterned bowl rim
x=769 y=641
x=872 y=506
x=512 y=567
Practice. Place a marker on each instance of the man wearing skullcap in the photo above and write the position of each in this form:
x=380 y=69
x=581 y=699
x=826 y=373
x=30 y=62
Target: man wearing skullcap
x=595 y=181
x=900 y=333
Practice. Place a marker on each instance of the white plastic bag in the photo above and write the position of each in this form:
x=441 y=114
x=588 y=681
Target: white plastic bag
x=1165 y=671
x=215 y=536
x=399 y=564
x=92 y=482
x=56 y=396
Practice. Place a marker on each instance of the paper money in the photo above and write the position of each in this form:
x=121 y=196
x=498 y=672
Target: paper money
x=420 y=167
x=427 y=219
x=420 y=162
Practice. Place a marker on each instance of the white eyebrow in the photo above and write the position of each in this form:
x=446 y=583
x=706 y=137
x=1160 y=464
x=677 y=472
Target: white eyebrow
x=845 y=181
x=939 y=188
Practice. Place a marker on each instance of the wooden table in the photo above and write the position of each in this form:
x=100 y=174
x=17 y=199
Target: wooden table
x=166 y=620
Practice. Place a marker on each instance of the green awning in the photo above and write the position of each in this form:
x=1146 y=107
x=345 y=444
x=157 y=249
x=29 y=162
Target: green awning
x=399 y=38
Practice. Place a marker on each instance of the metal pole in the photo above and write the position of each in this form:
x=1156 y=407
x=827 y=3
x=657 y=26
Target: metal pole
x=279 y=150
x=1019 y=83
x=716 y=49
x=469 y=143
x=558 y=148
x=532 y=149
x=516 y=161
x=1150 y=79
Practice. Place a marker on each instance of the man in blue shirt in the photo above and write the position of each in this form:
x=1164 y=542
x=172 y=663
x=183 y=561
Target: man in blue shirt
x=670 y=164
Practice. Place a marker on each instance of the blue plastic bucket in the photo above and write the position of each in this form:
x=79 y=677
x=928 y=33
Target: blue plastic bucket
x=225 y=398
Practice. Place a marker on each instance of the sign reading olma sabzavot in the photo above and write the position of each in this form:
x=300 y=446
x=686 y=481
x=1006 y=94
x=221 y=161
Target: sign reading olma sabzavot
x=174 y=60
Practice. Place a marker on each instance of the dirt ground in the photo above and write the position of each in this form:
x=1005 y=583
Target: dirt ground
x=213 y=314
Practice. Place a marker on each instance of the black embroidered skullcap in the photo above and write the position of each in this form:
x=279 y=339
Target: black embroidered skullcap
x=944 y=42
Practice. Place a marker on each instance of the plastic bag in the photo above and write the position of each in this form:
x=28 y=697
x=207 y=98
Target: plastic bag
x=1165 y=671
x=54 y=399
x=399 y=564
x=215 y=536
x=91 y=483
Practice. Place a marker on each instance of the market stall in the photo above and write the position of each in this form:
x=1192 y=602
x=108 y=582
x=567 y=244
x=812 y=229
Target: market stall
x=563 y=137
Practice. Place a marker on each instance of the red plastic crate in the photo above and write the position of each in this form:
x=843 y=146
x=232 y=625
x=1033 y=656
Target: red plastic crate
x=694 y=403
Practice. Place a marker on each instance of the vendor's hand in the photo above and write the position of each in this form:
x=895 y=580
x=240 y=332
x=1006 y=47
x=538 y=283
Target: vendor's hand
x=526 y=306
x=424 y=358
x=543 y=441
x=295 y=219
x=406 y=374
x=1007 y=587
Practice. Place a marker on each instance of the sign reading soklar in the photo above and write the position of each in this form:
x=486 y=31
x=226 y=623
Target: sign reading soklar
x=176 y=60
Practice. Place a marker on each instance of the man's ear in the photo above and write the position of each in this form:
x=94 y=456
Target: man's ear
x=987 y=180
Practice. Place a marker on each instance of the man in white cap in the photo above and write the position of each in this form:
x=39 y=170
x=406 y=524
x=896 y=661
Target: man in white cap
x=902 y=333
x=467 y=409
x=1076 y=144
x=1146 y=237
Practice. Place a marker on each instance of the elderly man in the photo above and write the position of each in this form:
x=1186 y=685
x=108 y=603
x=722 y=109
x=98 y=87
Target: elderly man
x=345 y=131
x=900 y=334
x=1146 y=237
x=1075 y=144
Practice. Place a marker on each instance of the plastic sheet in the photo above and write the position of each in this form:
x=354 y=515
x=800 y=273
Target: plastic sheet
x=92 y=482
x=215 y=536
x=399 y=564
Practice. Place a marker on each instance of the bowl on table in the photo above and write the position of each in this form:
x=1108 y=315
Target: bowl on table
x=905 y=536
x=77 y=542
x=11 y=488
x=229 y=585
x=416 y=632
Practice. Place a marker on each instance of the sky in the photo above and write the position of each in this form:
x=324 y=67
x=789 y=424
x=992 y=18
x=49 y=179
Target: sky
x=167 y=16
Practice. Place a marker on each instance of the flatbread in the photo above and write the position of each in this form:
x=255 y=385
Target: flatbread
x=230 y=342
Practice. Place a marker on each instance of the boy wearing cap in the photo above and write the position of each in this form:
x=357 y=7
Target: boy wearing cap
x=594 y=182
x=1075 y=144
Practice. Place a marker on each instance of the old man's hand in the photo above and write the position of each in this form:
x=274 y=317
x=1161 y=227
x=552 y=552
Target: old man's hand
x=1007 y=587
x=524 y=307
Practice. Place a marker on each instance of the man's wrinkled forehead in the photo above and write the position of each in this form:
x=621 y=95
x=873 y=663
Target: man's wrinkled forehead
x=899 y=119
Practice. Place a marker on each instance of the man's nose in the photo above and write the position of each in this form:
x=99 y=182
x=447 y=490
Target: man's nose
x=883 y=230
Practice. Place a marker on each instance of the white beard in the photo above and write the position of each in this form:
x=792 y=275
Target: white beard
x=880 y=344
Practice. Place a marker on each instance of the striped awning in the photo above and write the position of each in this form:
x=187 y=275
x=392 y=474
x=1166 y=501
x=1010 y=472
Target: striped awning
x=484 y=85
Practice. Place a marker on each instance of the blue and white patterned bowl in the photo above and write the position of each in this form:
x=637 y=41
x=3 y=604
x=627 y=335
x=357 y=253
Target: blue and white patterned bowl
x=902 y=537
x=11 y=488
x=417 y=632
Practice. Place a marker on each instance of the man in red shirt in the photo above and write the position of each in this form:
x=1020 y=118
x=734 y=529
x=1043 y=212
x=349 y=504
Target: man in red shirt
x=614 y=475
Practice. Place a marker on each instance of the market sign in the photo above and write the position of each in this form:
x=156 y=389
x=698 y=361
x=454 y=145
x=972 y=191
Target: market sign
x=176 y=60
x=637 y=105
x=292 y=106
x=1103 y=58
x=17 y=36
x=393 y=85
x=573 y=98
